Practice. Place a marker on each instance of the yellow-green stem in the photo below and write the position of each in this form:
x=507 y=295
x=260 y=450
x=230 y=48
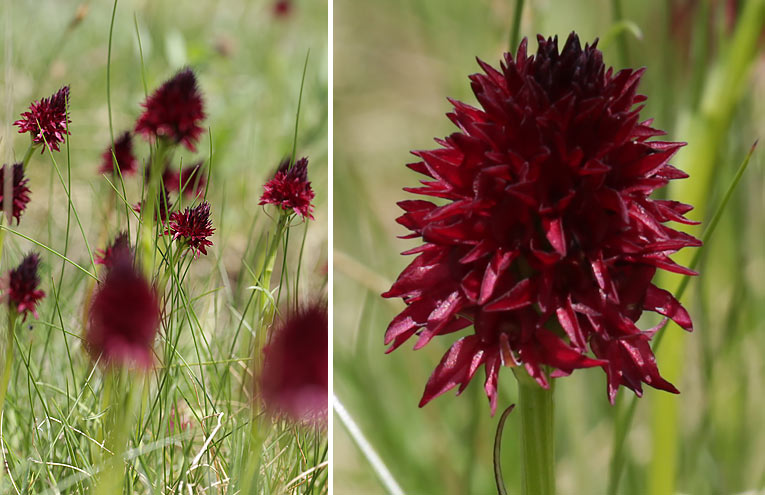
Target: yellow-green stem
x=8 y=368
x=28 y=155
x=537 y=436
x=255 y=444
x=148 y=207
x=112 y=477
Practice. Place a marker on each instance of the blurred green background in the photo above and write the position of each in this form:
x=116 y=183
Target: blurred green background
x=395 y=62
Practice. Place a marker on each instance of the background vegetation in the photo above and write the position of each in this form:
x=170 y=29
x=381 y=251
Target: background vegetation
x=249 y=63
x=396 y=62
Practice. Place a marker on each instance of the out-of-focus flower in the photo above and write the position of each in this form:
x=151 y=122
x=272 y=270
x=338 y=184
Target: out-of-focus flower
x=124 y=316
x=544 y=239
x=290 y=189
x=22 y=291
x=163 y=205
x=193 y=227
x=46 y=120
x=118 y=249
x=174 y=111
x=123 y=152
x=294 y=376
x=185 y=179
x=20 y=190
x=283 y=8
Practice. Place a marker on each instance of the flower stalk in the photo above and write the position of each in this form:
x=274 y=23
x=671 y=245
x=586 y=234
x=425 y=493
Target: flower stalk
x=28 y=155
x=537 y=436
x=148 y=213
x=7 y=369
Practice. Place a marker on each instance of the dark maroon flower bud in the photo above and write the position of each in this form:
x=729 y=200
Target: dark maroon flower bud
x=294 y=377
x=124 y=316
x=46 y=120
x=186 y=179
x=20 y=190
x=290 y=189
x=22 y=286
x=163 y=205
x=174 y=111
x=282 y=8
x=193 y=227
x=118 y=249
x=123 y=152
x=544 y=238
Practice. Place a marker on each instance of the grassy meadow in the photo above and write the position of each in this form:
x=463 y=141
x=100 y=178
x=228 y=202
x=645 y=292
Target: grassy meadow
x=194 y=414
x=396 y=62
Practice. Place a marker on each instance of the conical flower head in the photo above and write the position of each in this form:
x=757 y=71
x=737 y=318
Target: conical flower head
x=294 y=377
x=119 y=249
x=185 y=180
x=22 y=286
x=124 y=316
x=544 y=238
x=290 y=189
x=46 y=120
x=174 y=111
x=193 y=227
x=162 y=207
x=123 y=154
x=20 y=190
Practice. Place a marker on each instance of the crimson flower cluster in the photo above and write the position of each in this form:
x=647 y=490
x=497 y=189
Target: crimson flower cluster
x=294 y=377
x=189 y=181
x=544 y=238
x=20 y=190
x=193 y=227
x=123 y=154
x=118 y=249
x=22 y=286
x=124 y=315
x=290 y=189
x=46 y=121
x=174 y=111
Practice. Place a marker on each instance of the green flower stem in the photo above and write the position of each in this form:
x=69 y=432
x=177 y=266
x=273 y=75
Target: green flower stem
x=537 y=436
x=515 y=31
x=119 y=423
x=8 y=356
x=148 y=213
x=250 y=476
x=28 y=155
x=273 y=248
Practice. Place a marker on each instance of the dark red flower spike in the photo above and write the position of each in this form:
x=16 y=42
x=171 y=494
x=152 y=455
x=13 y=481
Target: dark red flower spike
x=124 y=316
x=20 y=190
x=118 y=249
x=22 y=286
x=193 y=227
x=544 y=238
x=186 y=179
x=290 y=189
x=46 y=121
x=174 y=111
x=123 y=153
x=294 y=377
